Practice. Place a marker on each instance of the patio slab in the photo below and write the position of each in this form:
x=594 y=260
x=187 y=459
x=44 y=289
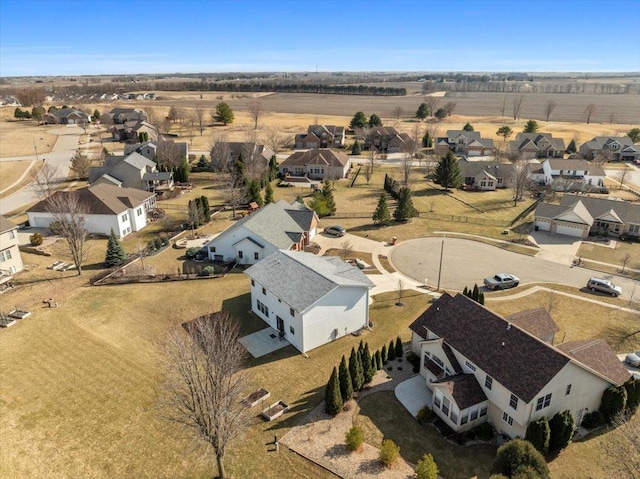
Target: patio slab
x=263 y=342
x=413 y=394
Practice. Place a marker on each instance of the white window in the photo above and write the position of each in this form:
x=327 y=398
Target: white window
x=474 y=414
x=543 y=402
x=124 y=217
x=470 y=366
x=465 y=419
x=2 y=256
x=292 y=312
x=445 y=406
x=488 y=382
x=438 y=361
x=483 y=411
x=8 y=253
x=124 y=233
x=568 y=390
x=508 y=419
x=256 y=255
x=513 y=402
x=11 y=234
x=264 y=309
x=139 y=211
x=292 y=330
x=264 y=291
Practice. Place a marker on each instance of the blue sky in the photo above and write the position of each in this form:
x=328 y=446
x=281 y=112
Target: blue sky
x=74 y=37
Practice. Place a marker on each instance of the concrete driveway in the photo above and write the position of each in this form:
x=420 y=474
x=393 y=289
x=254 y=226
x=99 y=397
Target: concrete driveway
x=466 y=262
x=556 y=248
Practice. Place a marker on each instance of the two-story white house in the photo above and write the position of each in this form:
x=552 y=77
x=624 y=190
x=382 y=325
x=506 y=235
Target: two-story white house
x=480 y=367
x=131 y=171
x=271 y=228
x=311 y=300
x=10 y=259
x=106 y=207
x=569 y=175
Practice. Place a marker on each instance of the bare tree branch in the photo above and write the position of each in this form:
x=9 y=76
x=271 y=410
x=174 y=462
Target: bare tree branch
x=46 y=181
x=255 y=112
x=205 y=382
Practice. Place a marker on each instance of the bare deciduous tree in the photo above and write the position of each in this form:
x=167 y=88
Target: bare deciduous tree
x=548 y=109
x=345 y=250
x=361 y=133
x=397 y=113
x=168 y=154
x=504 y=105
x=30 y=96
x=518 y=101
x=432 y=102
x=80 y=165
x=400 y=290
x=367 y=173
x=450 y=107
x=623 y=447
x=373 y=157
x=255 y=167
x=69 y=212
x=589 y=110
x=235 y=191
x=220 y=152
x=622 y=176
x=204 y=382
x=625 y=261
x=255 y=112
x=199 y=119
x=274 y=140
x=612 y=118
x=407 y=168
x=520 y=180
x=46 y=181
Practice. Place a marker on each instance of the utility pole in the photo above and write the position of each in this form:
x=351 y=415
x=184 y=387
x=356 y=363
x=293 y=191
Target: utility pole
x=441 y=254
x=35 y=148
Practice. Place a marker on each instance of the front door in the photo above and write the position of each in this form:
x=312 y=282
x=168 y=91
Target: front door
x=280 y=326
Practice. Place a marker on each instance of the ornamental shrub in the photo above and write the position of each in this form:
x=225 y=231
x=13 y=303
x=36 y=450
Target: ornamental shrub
x=355 y=438
x=36 y=239
x=389 y=452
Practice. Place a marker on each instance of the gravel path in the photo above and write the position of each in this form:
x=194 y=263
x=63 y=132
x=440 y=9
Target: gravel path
x=321 y=438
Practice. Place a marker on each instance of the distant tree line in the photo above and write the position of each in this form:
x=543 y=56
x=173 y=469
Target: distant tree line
x=541 y=86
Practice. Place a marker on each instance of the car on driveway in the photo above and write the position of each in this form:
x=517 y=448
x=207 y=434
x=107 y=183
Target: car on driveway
x=501 y=281
x=603 y=286
x=633 y=359
x=335 y=230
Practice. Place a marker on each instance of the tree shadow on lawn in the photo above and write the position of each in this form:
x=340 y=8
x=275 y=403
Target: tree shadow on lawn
x=299 y=409
x=428 y=192
x=393 y=421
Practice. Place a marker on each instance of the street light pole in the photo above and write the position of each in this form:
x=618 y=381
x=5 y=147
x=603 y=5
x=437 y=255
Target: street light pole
x=35 y=148
x=441 y=255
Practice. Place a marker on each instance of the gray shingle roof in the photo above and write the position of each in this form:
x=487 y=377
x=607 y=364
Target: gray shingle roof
x=597 y=355
x=273 y=223
x=464 y=388
x=301 y=279
x=523 y=139
x=628 y=212
x=494 y=168
x=536 y=321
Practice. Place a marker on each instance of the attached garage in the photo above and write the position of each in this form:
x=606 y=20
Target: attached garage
x=474 y=152
x=577 y=231
x=543 y=225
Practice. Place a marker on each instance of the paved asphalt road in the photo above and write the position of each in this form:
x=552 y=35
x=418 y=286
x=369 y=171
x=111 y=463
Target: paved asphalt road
x=64 y=149
x=467 y=262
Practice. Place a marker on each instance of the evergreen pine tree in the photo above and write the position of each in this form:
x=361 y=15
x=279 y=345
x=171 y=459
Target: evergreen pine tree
x=392 y=351
x=355 y=149
x=206 y=211
x=273 y=168
x=447 y=172
x=468 y=127
x=254 y=192
x=366 y=364
x=327 y=193
x=381 y=215
x=572 y=147
x=405 y=210
x=465 y=291
x=115 y=252
x=378 y=357
x=357 y=379
x=399 y=349
x=268 y=194
x=481 y=297
x=332 y=398
x=383 y=354
x=427 y=142
x=475 y=293
x=360 y=347
x=346 y=386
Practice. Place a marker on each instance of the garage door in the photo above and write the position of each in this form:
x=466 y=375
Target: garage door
x=474 y=153
x=40 y=221
x=543 y=225
x=570 y=230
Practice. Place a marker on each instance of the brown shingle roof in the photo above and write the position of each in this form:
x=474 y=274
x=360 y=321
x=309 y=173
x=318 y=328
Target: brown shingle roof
x=6 y=225
x=597 y=355
x=536 y=321
x=103 y=199
x=464 y=388
x=517 y=360
x=324 y=156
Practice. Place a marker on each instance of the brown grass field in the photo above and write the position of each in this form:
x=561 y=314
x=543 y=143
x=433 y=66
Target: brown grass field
x=12 y=171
